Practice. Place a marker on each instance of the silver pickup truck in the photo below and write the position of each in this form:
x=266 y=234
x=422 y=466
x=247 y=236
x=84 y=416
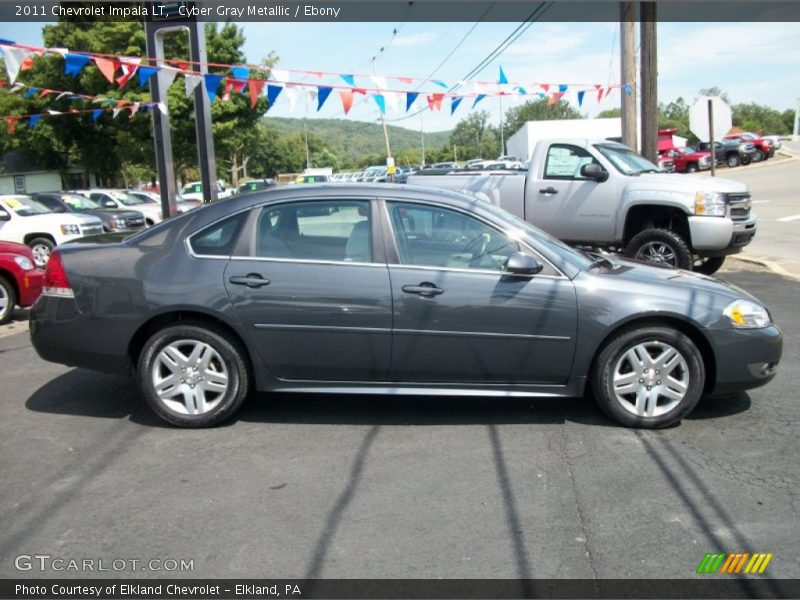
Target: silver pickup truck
x=602 y=194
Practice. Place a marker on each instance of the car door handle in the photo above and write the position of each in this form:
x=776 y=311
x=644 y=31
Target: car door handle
x=251 y=280
x=426 y=289
x=548 y=190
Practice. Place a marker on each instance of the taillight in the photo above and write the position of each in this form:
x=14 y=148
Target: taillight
x=55 y=278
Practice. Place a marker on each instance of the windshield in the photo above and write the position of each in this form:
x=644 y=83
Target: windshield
x=25 y=206
x=79 y=203
x=126 y=199
x=557 y=247
x=625 y=160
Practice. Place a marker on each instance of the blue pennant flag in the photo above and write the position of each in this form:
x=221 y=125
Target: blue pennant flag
x=503 y=78
x=349 y=80
x=273 y=91
x=240 y=73
x=96 y=113
x=627 y=89
x=212 y=83
x=580 y=98
x=74 y=63
x=7 y=42
x=323 y=91
x=562 y=88
x=441 y=84
x=410 y=98
x=478 y=98
x=454 y=102
x=521 y=90
x=30 y=92
x=381 y=102
x=145 y=73
x=35 y=119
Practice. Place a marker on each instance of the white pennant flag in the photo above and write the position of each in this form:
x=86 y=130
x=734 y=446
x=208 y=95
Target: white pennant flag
x=116 y=112
x=291 y=96
x=134 y=109
x=61 y=51
x=391 y=100
x=53 y=112
x=279 y=75
x=162 y=107
x=166 y=77
x=13 y=58
x=61 y=95
x=379 y=81
x=190 y=82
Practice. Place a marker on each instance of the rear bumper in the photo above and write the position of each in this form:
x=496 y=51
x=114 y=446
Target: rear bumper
x=745 y=359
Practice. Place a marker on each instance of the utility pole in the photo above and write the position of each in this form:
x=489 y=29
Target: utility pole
x=422 y=136
x=383 y=121
x=649 y=74
x=502 y=134
x=627 y=46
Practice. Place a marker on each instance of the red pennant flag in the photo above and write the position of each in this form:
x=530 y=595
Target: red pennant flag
x=107 y=67
x=553 y=99
x=11 y=123
x=545 y=87
x=128 y=71
x=406 y=80
x=347 y=100
x=27 y=63
x=435 y=101
x=361 y=91
x=44 y=93
x=599 y=94
x=316 y=74
x=255 y=86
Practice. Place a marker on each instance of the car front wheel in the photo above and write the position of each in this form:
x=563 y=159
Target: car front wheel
x=648 y=377
x=660 y=246
x=193 y=375
x=8 y=299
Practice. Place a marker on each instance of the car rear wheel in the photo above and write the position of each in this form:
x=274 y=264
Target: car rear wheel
x=758 y=156
x=709 y=264
x=660 y=246
x=41 y=248
x=193 y=375
x=8 y=300
x=733 y=160
x=648 y=377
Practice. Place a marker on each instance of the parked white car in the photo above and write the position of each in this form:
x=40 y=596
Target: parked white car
x=119 y=199
x=25 y=221
x=194 y=191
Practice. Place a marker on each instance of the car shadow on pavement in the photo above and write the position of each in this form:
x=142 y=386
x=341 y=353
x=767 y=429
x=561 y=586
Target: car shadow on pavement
x=81 y=392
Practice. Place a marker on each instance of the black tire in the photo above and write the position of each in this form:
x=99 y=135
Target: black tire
x=733 y=160
x=645 y=247
x=230 y=359
x=612 y=359
x=709 y=265
x=41 y=248
x=759 y=156
x=692 y=168
x=8 y=300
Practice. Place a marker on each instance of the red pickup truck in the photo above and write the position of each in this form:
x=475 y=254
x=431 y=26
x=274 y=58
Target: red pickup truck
x=687 y=160
x=765 y=147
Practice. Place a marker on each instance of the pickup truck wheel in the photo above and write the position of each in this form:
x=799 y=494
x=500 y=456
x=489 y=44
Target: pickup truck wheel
x=759 y=156
x=41 y=248
x=193 y=375
x=648 y=377
x=709 y=265
x=8 y=300
x=660 y=246
x=691 y=168
x=733 y=160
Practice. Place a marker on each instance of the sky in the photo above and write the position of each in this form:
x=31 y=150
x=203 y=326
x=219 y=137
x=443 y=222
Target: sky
x=752 y=62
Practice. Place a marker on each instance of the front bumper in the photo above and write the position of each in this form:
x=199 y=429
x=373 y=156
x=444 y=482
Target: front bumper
x=721 y=236
x=745 y=358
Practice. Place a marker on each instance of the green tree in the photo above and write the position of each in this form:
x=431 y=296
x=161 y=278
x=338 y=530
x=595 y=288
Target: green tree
x=760 y=118
x=475 y=137
x=609 y=113
x=538 y=110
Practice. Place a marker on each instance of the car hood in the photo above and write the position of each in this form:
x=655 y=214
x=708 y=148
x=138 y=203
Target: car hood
x=667 y=182
x=15 y=248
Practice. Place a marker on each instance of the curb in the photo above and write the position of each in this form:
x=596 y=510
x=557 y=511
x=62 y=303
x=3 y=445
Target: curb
x=767 y=264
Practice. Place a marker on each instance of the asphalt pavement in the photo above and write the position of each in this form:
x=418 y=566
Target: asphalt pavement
x=396 y=487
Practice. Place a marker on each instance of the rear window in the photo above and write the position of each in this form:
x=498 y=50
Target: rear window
x=218 y=239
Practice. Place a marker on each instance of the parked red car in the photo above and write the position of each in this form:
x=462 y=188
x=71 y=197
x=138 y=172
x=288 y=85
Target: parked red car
x=688 y=160
x=765 y=147
x=20 y=280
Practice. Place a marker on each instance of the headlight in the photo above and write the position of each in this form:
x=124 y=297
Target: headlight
x=70 y=230
x=117 y=223
x=744 y=314
x=709 y=204
x=24 y=262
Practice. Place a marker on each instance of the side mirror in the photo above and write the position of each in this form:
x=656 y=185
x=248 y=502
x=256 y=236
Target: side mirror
x=522 y=264
x=4 y=216
x=109 y=204
x=594 y=171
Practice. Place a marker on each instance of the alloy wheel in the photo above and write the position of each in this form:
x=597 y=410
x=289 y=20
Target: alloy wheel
x=657 y=252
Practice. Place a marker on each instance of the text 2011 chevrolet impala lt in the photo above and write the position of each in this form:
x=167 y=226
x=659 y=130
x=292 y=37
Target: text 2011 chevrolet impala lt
x=379 y=289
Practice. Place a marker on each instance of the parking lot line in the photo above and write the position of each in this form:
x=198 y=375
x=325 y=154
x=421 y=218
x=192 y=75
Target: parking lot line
x=789 y=218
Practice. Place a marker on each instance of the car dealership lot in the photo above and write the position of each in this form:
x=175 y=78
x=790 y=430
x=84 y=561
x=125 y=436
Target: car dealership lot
x=374 y=486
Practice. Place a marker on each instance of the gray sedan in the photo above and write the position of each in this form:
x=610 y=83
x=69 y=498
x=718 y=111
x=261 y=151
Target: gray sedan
x=395 y=290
